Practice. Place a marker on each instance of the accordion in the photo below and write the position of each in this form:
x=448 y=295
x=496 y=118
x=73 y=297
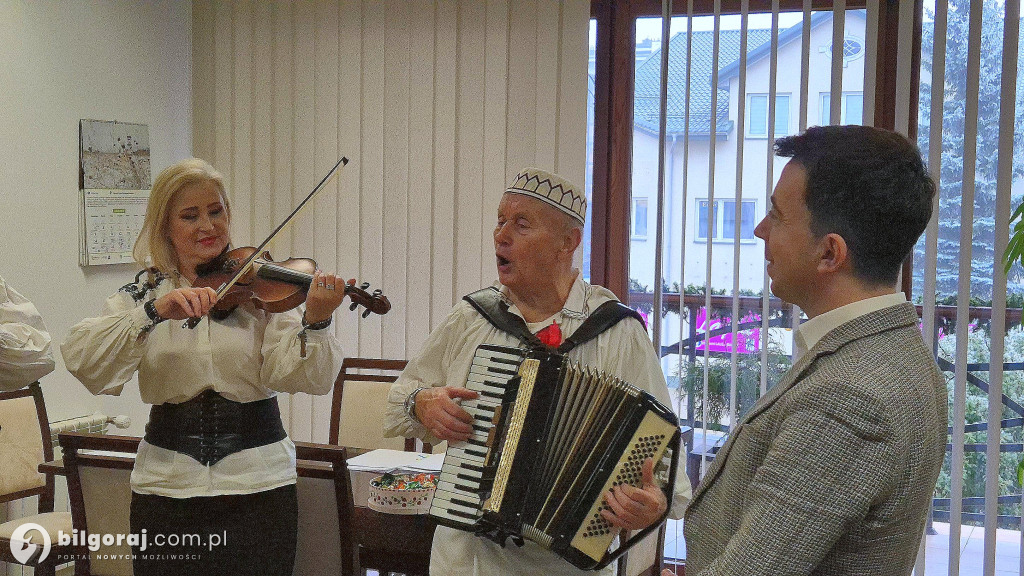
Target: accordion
x=550 y=438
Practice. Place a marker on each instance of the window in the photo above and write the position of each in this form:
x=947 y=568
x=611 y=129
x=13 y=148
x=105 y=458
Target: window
x=723 y=220
x=702 y=220
x=639 y=230
x=746 y=220
x=852 y=47
x=851 y=110
x=757 y=115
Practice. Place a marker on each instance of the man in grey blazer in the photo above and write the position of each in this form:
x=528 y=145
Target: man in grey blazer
x=832 y=471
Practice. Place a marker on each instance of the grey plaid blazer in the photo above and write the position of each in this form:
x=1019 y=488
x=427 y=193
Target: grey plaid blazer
x=832 y=471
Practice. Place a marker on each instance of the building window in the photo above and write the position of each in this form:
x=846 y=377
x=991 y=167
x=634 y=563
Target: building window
x=639 y=231
x=851 y=109
x=852 y=47
x=757 y=115
x=702 y=220
x=723 y=220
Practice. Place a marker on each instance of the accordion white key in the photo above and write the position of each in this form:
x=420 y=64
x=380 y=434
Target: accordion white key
x=550 y=439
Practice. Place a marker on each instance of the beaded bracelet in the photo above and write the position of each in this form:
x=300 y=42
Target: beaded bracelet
x=316 y=325
x=154 y=316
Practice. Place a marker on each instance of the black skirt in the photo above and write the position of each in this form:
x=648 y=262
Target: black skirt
x=238 y=534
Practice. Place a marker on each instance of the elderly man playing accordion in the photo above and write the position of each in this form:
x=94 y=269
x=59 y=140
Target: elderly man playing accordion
x=539 y=226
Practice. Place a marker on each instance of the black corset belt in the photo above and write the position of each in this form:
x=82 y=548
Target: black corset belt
x=210 y=427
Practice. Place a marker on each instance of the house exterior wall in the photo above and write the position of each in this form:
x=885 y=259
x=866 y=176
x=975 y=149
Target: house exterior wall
x=682 y=247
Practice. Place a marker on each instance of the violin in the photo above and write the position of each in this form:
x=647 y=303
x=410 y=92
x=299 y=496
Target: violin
x=250 y=275
x=273 y=286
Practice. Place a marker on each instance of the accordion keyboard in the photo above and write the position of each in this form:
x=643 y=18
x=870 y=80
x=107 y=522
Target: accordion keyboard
x=457 y=498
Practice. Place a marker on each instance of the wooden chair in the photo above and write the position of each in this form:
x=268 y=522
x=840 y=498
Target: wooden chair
x=357 y=417
x=25 y=444
x=326 y=544
x=359 y=401
x=100 y=490
x=99 y=487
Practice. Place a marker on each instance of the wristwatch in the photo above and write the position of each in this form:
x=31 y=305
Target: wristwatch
x=410 y=404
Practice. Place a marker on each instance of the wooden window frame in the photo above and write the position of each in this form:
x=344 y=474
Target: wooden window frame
x=613 y=113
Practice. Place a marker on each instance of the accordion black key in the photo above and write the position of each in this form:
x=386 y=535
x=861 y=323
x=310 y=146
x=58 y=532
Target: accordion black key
x=550 y=438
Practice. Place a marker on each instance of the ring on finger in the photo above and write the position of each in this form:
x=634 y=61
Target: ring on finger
x=330 y=286
x=320 y=284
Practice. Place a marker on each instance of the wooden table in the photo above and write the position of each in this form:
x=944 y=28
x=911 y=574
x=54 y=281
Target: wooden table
x=394 y=542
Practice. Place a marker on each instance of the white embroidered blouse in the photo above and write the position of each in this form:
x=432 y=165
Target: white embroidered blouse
x=250 y=355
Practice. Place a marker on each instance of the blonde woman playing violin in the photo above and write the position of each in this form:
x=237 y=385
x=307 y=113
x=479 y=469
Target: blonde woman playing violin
x=216 y=460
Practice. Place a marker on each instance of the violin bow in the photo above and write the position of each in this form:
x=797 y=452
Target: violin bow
x=247 y=265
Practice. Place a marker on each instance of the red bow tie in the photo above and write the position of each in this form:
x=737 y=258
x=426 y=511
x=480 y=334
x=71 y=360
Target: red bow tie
x=551 y=336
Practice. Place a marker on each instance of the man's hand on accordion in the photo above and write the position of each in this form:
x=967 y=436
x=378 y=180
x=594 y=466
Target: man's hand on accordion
x=437 y=410
x=635 y=508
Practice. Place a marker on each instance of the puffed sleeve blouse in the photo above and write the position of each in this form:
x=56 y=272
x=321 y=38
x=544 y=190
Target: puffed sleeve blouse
x=250 y=355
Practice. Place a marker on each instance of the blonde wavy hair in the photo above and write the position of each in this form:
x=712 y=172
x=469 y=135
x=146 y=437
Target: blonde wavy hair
x=153 y=249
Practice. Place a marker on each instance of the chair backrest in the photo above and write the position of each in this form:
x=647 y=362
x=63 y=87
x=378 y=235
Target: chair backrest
x=99 y=487
x=325 y=541
x=100 y=490
x=24 y=445
x=360 y=398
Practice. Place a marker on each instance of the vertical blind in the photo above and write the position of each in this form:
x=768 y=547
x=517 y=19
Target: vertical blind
x=436 y=103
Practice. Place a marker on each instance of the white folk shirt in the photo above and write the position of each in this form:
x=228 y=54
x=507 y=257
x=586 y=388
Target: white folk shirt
x=623 y=350
x=250 y=355
x=24 y=342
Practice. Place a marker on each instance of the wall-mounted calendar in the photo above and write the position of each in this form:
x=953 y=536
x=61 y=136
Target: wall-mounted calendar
x=114 y=183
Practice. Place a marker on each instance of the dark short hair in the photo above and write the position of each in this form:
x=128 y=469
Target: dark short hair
x=868 y=185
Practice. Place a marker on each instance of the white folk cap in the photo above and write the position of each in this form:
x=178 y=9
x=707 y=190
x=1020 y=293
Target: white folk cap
x=551 y=188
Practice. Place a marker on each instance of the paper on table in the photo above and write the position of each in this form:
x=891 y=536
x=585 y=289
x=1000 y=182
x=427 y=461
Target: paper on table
x=396 y=461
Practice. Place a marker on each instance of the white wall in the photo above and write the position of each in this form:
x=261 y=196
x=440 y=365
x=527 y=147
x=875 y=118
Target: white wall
x=61 y=62
x=436 y=104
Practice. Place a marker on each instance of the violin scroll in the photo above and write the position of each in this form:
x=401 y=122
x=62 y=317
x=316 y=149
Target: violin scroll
x=375 y=302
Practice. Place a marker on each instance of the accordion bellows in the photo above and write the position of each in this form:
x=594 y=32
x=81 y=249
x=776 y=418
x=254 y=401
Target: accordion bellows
x=550 y=439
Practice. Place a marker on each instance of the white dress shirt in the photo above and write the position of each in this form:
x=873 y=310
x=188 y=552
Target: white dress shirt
x=24 y=342
x=250 y=355
x=809 y=333
x=623 y=350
